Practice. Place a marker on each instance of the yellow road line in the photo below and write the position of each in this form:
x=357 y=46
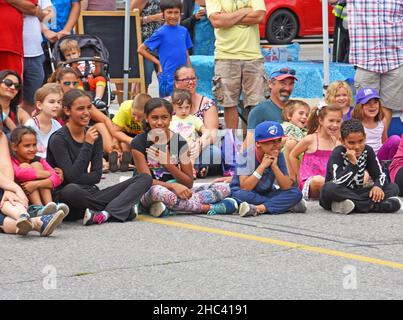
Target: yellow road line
x=293 y=245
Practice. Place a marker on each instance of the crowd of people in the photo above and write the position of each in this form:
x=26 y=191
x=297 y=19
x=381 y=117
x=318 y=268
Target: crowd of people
x=56 y=143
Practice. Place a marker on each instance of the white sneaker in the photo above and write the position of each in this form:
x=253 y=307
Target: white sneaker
x=50 y=208
x=344 y=207
x=247 y=210
x=158 y=209
x=63 y=207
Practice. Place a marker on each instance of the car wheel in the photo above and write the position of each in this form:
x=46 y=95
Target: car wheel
x=282 y=27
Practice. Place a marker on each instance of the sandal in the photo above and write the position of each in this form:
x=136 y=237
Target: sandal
x=203 y=172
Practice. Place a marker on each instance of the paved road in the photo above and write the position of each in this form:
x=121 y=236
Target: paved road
x=316 y=255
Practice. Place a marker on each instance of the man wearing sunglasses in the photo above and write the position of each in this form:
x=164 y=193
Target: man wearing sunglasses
x=281 y=86
x=238 y=58
x=11 y=26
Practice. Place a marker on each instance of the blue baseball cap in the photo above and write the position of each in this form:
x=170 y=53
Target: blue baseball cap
x=268 y=130
x=366 y=94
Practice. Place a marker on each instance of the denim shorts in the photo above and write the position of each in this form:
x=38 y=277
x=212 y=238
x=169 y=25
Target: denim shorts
x=33 y=77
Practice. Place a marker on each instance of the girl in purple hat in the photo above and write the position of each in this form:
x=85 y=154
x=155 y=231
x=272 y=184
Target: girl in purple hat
x=368 y=110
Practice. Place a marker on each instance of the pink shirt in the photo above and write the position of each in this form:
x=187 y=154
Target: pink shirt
x=397 y=162
x=29 y=174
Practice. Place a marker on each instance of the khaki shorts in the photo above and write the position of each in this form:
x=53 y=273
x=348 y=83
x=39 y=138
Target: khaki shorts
x=389 y=85
x=233 y=77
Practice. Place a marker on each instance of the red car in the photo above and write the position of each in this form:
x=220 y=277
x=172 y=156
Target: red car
x=288 y=19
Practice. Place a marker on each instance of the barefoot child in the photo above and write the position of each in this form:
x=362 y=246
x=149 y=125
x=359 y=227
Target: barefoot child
x=36 y=176
x=253 y=182
x=127 y=124
x=163 y=154
x=323 y=133
x=344 y=191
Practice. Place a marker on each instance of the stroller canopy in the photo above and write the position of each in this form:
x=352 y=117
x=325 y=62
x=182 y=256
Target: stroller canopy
x=90 y=46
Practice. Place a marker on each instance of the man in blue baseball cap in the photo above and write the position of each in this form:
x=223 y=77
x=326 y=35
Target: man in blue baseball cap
x=257 y=169
x=281 y=86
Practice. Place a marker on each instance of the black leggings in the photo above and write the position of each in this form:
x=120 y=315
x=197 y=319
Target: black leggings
x=399 y=181
x=117 y=199
x=360 y=196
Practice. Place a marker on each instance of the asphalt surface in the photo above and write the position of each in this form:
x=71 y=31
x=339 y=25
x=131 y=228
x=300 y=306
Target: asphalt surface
x=316 y=255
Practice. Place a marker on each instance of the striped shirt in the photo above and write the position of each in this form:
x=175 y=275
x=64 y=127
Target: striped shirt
x=376 y=34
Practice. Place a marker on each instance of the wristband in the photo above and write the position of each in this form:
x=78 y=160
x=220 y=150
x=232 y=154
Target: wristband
x=257 y=175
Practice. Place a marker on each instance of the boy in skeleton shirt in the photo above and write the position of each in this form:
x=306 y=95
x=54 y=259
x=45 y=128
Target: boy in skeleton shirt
x=344 y=190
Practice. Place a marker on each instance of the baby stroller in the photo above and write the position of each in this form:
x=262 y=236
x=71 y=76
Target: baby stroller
x=90 y=46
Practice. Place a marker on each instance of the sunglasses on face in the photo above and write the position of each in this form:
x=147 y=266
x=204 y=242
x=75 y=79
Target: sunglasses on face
x=9 y=83
x=69 y=83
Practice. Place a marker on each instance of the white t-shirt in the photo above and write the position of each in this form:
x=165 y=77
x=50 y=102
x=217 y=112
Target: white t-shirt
x=32 y=33
x=42 y=138
x=374 y=136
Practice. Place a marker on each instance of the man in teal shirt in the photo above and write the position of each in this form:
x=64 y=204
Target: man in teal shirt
x=281 y=85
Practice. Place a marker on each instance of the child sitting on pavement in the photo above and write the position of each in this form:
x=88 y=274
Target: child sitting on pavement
x=127 y=124
x=89 y=70
x=295 y=116
x=253 y=182
x=164 y=155
x=36 y=177
x=344 y=190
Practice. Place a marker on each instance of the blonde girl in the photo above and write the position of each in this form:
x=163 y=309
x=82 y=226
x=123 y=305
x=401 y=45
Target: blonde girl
x=339 y=93
x=48 y=105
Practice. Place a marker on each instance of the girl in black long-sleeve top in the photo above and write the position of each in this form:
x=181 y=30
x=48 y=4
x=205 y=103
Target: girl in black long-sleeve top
x=344 y=190
x=77 y=150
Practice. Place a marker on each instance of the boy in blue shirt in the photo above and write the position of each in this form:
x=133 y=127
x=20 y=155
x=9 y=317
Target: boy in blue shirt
x=257 y=170
x=172 y=42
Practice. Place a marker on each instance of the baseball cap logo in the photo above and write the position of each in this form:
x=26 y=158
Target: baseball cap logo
x=272 y=130
x=367 y=92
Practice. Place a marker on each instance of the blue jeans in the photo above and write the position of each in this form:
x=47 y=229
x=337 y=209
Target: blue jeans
x=276 y=201
x=33 y=77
